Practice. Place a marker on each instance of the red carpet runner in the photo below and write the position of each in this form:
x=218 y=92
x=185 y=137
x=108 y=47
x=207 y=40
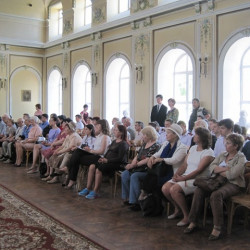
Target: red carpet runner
x=22 y=226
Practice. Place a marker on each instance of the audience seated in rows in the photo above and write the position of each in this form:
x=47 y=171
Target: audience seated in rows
x=64 y=151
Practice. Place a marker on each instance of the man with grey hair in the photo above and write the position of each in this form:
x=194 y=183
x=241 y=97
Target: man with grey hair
x=138 y=134
x=8 y=145
x=128 y=124
x=3 y=127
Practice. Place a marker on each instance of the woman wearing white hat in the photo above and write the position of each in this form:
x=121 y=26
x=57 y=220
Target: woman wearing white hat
x=196 y=163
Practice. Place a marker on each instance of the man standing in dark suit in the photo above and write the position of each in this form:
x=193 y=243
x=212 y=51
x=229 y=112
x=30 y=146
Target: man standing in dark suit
x=159 y=111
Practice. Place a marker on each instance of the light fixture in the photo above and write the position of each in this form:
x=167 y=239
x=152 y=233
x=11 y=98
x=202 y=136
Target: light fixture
x=64 y=82
x=3 y=82
x=94 y=76
x=139 y=73
x=203 y=66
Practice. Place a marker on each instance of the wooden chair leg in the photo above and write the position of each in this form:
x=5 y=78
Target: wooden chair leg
x=115 y=186
x=205 y=211
x=27 y=158
x=230 y=218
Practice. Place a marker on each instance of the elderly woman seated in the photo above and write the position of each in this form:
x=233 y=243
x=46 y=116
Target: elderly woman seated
x=195 y=165
x=230 y=165
x=136 y=171
x=171 y=156
x=53 y=133
x=28 y=143
x=62 y=155
x=107 y=165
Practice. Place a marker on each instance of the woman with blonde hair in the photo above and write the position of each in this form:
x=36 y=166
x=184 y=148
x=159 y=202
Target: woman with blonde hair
x=136 y=171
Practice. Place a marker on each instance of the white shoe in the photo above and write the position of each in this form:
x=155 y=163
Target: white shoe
x=7 y=161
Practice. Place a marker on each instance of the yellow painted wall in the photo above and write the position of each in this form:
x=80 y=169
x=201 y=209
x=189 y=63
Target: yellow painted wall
x=180 y=26
x=227 y=28
x=23 y=80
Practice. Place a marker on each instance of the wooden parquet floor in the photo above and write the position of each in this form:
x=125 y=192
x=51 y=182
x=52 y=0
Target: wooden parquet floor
x=110 y=224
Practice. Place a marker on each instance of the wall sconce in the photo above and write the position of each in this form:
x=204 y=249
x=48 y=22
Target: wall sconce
x=64 y=83
x=3 y=82
x=203 y=66
x=94 y=78
x=139 y=73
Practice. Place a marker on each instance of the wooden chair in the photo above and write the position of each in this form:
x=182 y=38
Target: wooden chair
x=81 y=177
x=241 y=200
x=132 y=152
x=28 y=153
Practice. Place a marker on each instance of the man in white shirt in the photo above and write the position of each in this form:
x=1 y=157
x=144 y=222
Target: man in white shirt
x=138 y=134
x=167 y=124
x=186 y=137
x=226 y=128
x=79 y=124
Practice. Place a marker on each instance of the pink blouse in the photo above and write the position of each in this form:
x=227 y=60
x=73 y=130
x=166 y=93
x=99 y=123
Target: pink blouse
x=38 y=112
x=35 y=131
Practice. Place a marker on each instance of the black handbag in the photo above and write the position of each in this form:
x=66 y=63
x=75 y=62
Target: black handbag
x=210 y=184
x=142 y=168
x=160 y=169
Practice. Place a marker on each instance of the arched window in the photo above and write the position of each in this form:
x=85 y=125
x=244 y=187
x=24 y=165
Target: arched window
x=236 y=79
x=117 y=89
x=123 y=5
x=117 y=9
x=55 y=92
x=82 y=13
x=55 y=21
x=81 y=89
x=175 y=80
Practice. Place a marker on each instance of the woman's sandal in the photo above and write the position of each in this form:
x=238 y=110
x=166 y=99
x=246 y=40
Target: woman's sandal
x=190 y=230
x=213 y=237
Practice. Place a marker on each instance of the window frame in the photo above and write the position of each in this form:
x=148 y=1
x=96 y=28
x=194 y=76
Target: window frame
x=131 y=84
x=195 y=82
x=78 y=64
x=48 y=76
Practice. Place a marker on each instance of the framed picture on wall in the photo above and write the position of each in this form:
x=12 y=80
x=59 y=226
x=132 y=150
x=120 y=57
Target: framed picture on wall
x=26 y=95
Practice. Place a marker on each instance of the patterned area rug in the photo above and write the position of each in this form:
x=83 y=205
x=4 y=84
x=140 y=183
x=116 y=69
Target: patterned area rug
x=23 y=226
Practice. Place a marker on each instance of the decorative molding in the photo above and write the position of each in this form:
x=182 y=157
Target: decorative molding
x=142 y=45
x=197 y=8
x=158 y=10
x=65 y=59
x=173 y=45
x=4 y=47
x=65 y=45
x=210 y=4
x=138 y=5
x=141 y=24
x=147 y=22
x=206 y=31
x=99 y=14
x=67 y=26
x=2 y=61
x=97 y=54
x=246 y=32
x=117 y=55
